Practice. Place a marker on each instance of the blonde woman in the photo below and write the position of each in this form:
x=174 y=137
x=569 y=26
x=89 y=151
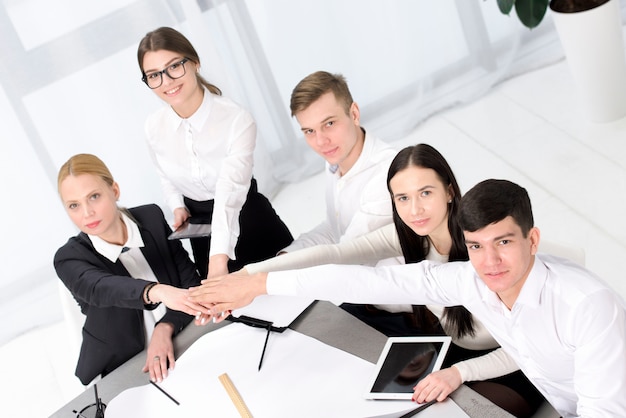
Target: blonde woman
x=119 y=268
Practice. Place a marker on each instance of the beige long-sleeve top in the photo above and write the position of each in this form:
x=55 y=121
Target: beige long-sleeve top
x=384 y=243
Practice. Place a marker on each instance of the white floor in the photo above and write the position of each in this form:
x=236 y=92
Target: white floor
x=528 y=130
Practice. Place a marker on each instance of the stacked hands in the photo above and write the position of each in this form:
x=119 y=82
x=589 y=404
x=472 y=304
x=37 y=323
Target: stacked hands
x=219 y=296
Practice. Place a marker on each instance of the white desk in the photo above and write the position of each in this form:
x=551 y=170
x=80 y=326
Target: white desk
x=323 y=321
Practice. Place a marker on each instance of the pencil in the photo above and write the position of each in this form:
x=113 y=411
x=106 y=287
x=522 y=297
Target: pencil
x=164 y=392
x=269 y=329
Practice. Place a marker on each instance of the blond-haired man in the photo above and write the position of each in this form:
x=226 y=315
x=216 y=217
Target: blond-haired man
x=357 y=200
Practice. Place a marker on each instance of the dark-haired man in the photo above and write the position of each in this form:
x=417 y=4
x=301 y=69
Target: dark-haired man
x=564 y=327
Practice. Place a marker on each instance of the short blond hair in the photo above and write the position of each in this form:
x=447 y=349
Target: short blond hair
x=315 y=85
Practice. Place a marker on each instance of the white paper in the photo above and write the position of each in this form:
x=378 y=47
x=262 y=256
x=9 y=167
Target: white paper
x=301 y=377
x=279 y=310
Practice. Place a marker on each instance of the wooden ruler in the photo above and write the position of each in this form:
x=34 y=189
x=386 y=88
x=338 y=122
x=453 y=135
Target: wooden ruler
x=235 y=396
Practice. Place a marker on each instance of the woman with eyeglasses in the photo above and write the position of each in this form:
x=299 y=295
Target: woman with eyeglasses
x=202 y=145
x=123 y=272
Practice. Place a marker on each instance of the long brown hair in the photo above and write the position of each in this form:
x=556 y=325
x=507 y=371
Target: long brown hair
x=169 y=39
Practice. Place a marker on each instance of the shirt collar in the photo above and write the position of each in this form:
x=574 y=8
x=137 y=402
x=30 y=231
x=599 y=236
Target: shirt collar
x=434 y=255
x=530 y=294
x=196 y=120
x=112 y=251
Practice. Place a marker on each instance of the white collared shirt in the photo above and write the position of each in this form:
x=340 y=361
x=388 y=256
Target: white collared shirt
x=206 y=156
x=133 y=260
x=384 y=243
x=566 y=330
x=357 y=202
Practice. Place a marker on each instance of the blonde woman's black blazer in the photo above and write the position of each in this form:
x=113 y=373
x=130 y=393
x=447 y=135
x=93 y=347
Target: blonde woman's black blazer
x=112 y=300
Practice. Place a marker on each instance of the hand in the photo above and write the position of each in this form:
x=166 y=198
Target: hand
x=203 y=319
x=160 y=352
x=175 y=298
x=180 y=216
x=437 y=385
x=218 y=265
x=221 y=295
x=241 y=272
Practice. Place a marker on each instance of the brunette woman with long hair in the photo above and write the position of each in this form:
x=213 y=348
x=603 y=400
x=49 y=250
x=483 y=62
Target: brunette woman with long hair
x=425 y=198
x=202 y=145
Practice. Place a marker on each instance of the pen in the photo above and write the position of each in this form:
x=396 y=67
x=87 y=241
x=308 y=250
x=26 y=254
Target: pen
x=267 y=336
x=418 y=409
x=164 y=392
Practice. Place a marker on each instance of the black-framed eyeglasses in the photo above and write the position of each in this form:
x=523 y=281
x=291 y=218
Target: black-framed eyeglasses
x=173 y=71
x=94 y=410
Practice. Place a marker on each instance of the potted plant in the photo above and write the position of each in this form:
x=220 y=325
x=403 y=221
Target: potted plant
x=591 y=35
x=531 y=12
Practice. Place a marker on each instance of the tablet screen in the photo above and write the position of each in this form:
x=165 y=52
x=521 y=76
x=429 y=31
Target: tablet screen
x=405 y=361
x=191 y=230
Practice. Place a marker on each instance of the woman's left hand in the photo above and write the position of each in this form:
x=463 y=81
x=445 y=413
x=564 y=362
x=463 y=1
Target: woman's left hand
x=437 y=385
x=160 y=352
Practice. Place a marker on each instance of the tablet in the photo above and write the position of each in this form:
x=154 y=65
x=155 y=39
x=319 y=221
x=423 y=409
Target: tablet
x=403 y=362
x=191 y=230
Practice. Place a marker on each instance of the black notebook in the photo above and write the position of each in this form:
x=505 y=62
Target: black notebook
x=270 y=311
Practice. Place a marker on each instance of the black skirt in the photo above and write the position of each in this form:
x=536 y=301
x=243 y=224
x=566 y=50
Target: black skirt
x=261 y=231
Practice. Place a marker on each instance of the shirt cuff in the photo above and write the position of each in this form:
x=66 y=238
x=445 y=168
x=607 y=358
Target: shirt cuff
x=281 y=283
x=175 y=202
x=226 y=245
x=464 y=371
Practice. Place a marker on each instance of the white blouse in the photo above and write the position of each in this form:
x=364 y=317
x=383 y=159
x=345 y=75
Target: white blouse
x=206 y=156
x=135 y=263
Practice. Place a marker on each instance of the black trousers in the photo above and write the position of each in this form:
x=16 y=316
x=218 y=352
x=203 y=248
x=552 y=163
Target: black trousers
x=261 y=232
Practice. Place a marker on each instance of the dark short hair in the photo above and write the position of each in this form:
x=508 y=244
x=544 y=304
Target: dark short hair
x=491 y=201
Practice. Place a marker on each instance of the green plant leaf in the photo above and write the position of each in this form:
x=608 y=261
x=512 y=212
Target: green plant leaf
x=531 y=12
x=505 y=6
